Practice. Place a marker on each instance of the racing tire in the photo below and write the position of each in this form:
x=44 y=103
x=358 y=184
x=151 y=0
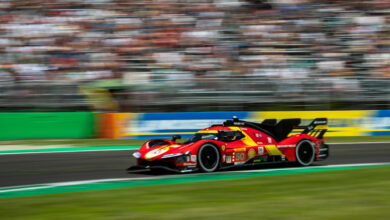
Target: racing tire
x=305 y=153
x=208 y=158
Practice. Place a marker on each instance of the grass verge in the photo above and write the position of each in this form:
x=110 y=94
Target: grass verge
x=138 y=142
x=348 y=194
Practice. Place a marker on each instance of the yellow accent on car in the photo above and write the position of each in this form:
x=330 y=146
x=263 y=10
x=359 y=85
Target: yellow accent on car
x=156 y=152
x=208 y=131
x=320 y=127
x=247 y=139
x=251 y=153
x=273 y=150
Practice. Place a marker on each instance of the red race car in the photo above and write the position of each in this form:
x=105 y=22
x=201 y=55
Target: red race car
x=236 y=143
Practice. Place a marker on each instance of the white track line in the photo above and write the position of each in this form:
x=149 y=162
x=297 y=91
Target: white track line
x=350 y=143
x=83 y=151
x=315 y=167
x=82 y=182
x=70 y=151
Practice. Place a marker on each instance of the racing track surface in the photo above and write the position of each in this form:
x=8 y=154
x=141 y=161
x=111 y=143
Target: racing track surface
x=25 y=169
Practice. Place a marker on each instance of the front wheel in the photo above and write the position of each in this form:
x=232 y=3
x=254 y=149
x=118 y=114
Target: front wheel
x=208 y=158
x=305 y=153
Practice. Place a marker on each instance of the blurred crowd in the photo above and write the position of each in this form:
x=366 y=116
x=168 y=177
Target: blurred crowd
x=196 y=43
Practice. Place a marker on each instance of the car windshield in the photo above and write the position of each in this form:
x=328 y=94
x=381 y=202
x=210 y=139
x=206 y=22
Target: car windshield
x=200 y=136
x=229 y=136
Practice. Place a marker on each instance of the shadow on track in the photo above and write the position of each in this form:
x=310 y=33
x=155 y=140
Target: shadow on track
x=162 y=172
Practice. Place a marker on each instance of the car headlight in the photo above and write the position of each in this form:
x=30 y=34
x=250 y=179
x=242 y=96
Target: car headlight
x=172 y=155
x=136 y=154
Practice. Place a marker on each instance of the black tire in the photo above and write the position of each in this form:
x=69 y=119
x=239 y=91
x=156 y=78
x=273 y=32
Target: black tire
x=305 y=153
x=208 y=158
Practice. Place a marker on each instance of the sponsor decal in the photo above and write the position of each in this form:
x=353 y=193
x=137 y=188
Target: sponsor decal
x=320 y=122
x=240 y=156
x=240 y=149
x=273 y=150
x=223 y=147
x=285 y=146
x=156 y=152
x=223 y=158
x=193 y=158
x=228 y=159
x=175 y=145
x=251 y=153
x=256 y=160
x=208 y=136
x=258 y=135
x=269 y=140
x=260 y=150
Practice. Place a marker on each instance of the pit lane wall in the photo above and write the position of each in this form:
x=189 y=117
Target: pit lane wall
x=47 y=125
x=165 y=125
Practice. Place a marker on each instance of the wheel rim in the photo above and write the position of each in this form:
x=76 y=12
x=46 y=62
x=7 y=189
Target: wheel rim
x=305 y=153
x=209 y=158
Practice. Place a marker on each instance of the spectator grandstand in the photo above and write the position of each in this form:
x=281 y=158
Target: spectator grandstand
x=194 y=55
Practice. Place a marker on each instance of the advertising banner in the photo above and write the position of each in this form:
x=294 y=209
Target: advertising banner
x=47 y=125
x=165 y=125
x=341 y=123
x=378 y=123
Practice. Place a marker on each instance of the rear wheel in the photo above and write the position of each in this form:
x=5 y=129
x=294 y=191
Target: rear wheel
x=208 y=158
x=305 y=153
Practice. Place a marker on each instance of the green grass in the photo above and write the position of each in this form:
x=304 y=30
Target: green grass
x=348 y=194
x=137 y=142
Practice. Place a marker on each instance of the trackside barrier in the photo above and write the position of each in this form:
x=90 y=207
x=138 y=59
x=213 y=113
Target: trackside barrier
x=47 y=125
x=165 y=125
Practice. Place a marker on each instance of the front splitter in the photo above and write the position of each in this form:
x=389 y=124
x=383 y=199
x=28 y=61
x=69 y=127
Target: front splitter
x=139 y=169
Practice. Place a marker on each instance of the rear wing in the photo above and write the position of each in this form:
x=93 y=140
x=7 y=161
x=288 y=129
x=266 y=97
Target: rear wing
x=282 y=129
x=317 y=128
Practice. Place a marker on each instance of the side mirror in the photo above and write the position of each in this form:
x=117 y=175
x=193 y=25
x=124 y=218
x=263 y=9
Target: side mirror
x=174 y=138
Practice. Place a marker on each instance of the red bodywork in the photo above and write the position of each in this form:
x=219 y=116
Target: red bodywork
x=253 y=148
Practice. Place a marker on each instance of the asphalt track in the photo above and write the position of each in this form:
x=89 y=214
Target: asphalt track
x=26 y=169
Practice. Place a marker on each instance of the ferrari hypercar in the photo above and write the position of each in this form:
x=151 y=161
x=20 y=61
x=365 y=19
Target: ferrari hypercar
x=237 y=143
